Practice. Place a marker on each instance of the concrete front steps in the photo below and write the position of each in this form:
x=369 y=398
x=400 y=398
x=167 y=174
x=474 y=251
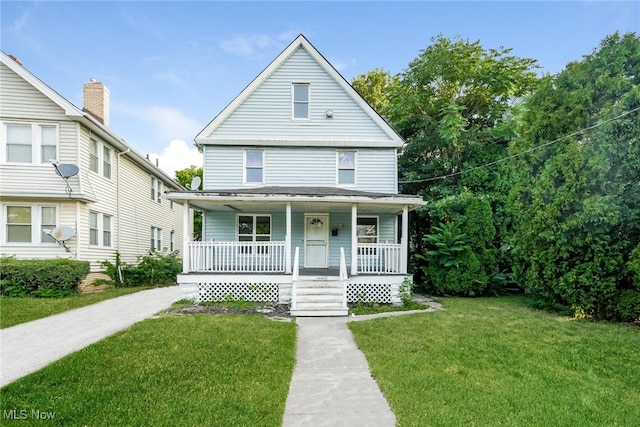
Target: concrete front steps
x=318 y=296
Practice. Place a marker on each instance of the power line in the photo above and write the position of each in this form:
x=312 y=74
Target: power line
x=546 y=144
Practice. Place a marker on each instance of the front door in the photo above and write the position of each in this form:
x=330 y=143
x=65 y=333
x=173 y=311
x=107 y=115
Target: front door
x=316 y=241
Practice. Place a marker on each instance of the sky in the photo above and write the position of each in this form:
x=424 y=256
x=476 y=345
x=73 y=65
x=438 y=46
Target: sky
x=171 y=67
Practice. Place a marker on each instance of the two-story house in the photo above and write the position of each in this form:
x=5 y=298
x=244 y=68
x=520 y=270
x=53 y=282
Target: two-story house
x=63 y=170
x=300 y=194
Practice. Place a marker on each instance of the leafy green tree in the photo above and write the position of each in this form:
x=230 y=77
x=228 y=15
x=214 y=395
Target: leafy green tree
x=184 y=178
x=374 y=87
x=577 y=199
x=454 y=106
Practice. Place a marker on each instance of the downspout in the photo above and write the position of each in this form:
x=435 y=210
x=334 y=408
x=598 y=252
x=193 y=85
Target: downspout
x=118 y=199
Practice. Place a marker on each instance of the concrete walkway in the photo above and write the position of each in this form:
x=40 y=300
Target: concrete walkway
x=331 y=384
x=28 y=347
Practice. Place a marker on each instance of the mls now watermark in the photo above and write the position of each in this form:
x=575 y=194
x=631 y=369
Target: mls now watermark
x=25 y=414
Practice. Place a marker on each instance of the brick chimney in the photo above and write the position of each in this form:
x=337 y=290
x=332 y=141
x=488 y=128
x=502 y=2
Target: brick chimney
x=96 y=101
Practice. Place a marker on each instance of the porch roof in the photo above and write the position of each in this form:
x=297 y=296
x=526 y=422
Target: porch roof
x=302 y=199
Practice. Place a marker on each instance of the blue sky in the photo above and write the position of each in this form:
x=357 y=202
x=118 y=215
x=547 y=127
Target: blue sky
x=171 y=67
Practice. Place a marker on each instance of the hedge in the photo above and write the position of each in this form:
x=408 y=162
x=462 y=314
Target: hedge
x=51 y=278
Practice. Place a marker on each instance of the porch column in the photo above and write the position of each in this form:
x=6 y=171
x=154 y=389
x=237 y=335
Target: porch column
x=354 y=239
x=404 y=252
x=287 y=242
x=185 y=237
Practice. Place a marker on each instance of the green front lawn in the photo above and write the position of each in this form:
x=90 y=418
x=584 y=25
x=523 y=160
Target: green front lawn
x=494 y=361
x=19 y=310
x=223 y=370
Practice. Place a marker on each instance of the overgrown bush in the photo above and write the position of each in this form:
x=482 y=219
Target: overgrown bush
x=52 y=278
x=154 y=268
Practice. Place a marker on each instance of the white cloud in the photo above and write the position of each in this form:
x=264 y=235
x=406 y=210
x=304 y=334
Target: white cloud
x=168 y=123
x=176 y=156
x=255 y=46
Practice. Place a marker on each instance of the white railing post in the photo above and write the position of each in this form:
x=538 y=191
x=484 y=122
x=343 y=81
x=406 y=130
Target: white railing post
x=343 y=277
x=294 y=277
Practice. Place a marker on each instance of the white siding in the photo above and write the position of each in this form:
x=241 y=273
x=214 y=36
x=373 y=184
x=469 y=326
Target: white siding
x=266 y=114
x=300 y=166
x=20 y=99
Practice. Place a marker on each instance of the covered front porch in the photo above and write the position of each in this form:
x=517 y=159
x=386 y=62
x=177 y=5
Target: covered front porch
x=265 y=244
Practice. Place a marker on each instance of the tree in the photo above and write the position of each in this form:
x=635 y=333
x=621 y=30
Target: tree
x=454 y=107
x=374 y=87
x=577 y=200
x=184 y=178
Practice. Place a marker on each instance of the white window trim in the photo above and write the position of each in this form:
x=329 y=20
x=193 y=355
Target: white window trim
x=36 y=224
x=156 y=235
x=36 y=142
x=244 y=167
x=101 y=230
x=355 y=168
x=377 y=218
x=253 y=235
x=293 y=85
x=100 y=156
x=158 y=188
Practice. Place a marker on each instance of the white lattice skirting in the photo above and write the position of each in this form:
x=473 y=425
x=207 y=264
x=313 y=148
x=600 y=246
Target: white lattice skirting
x=238 y=291
x=203 y=287
x=369 y=292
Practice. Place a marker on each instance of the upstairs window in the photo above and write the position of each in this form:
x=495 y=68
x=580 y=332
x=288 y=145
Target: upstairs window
x=156 y=190
x=346 y=167
x=253 y=166
x=30 y=143
x=300 y=101
x=100 y=158
x=100 y=225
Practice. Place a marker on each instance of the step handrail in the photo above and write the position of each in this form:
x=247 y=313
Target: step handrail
x=343 y=277
x=294 y=278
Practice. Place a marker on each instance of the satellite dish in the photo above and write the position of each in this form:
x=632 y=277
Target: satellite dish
x=66 y=170
x=195 y=183
x=62 y=234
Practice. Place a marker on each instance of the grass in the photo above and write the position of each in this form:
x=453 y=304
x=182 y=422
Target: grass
x=224 y=370
x=494 y=361
x=14 y=311
x=372 y=308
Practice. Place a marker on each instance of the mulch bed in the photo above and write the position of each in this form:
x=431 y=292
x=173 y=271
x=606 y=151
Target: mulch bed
x=268 y=309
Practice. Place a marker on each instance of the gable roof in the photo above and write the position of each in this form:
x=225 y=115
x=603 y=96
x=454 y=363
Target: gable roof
x=86 y=119
x=300 y=42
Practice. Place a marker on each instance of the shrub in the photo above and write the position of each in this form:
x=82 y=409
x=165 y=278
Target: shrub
x=54 y=278
x=628 y=307
x=154 y=268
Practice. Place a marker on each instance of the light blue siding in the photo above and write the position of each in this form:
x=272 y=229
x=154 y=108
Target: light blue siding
x=266 y=113
x=301 y=166
x=222 y=227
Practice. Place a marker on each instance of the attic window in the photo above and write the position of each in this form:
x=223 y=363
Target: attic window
x=300 y=101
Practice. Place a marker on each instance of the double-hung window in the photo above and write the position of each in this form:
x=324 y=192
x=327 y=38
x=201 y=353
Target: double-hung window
x=254 y=166
x=26 y=223
x=100 y=158
x=30 y=143
x=346 y=161
x=300 y=101
x=156 y=238
x=254 y=228
x=156 y=190
x=100 y=228
x=367 y=233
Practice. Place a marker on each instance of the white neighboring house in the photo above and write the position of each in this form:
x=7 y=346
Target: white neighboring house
x=114 y=203
x=300 y=195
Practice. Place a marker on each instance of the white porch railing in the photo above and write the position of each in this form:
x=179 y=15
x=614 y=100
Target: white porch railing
x=237 y=257
x=380 y=258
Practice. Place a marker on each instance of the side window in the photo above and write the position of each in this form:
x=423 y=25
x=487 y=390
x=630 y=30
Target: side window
x=346 y=167
x=253 y=166
x=26 y=224
x=156 y=190
x=93 y=155
x=300 y=101
x=106 y=162
x=29 y=143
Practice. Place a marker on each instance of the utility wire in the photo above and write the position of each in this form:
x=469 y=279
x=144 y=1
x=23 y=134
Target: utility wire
x=546 y=144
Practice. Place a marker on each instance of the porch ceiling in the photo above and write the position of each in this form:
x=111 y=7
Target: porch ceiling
x=302 y=199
